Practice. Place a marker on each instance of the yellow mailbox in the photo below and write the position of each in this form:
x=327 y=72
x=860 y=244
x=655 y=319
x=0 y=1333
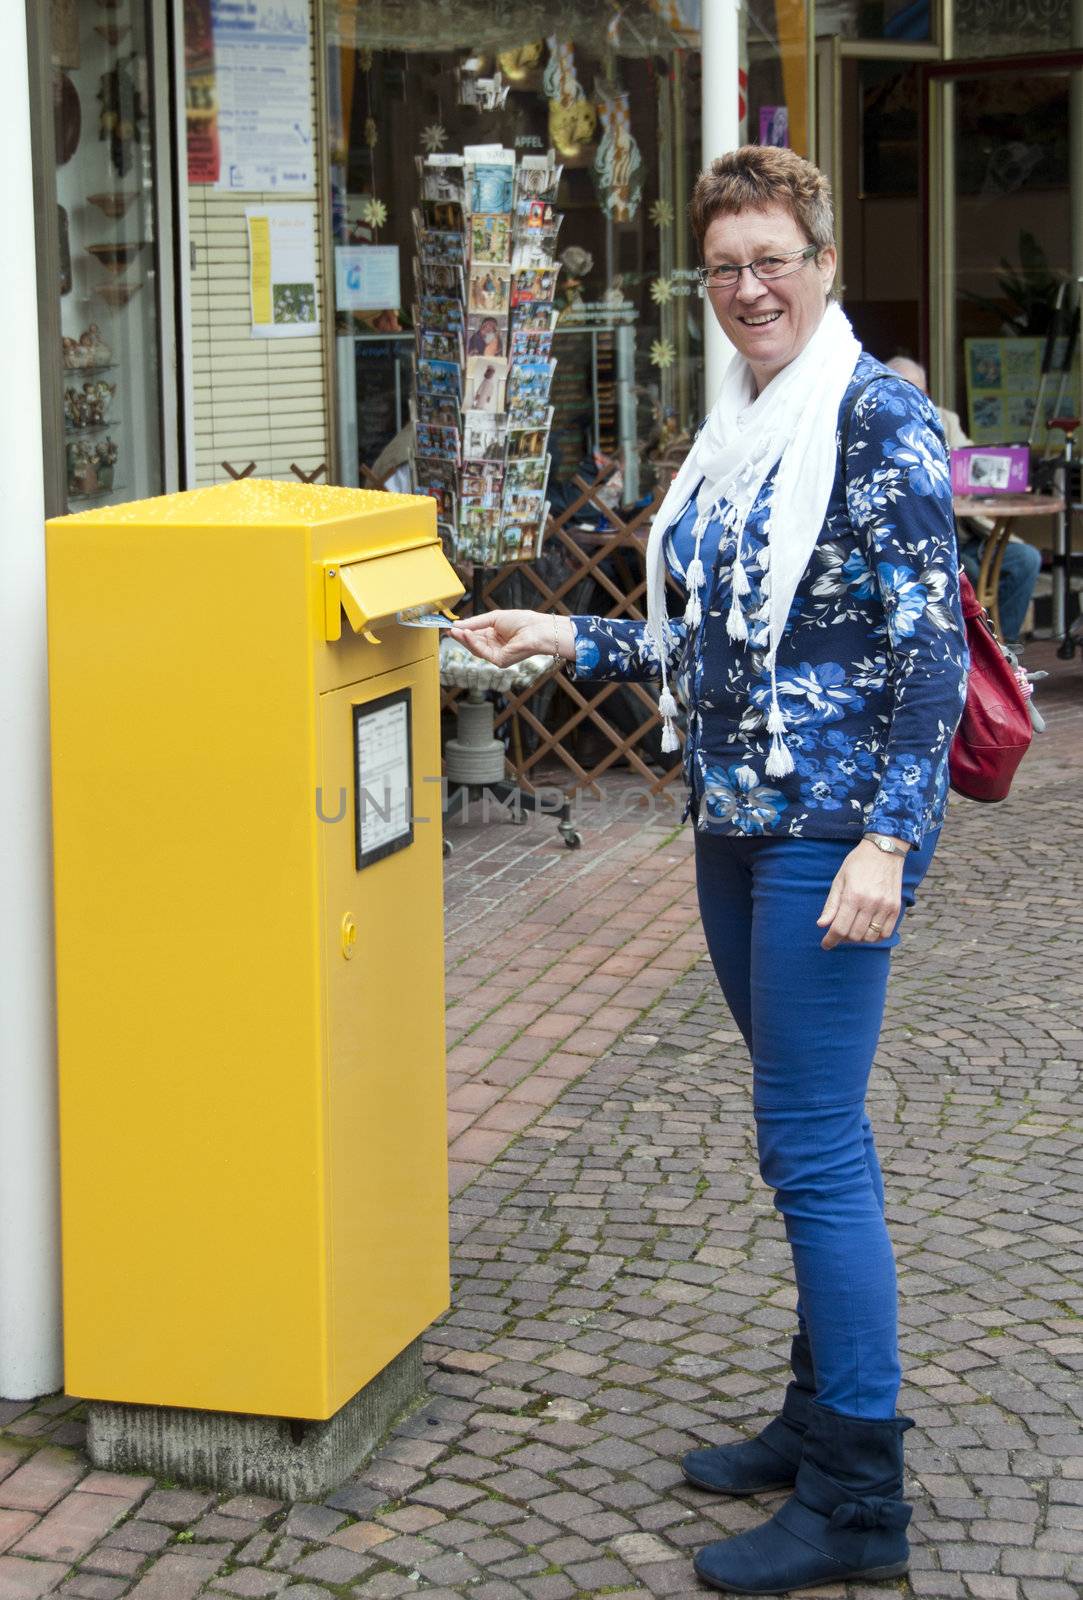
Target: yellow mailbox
x=249 y=944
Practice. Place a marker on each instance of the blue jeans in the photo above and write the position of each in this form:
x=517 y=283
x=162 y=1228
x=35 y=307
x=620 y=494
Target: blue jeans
x=1018 y=574
x=811 y=1020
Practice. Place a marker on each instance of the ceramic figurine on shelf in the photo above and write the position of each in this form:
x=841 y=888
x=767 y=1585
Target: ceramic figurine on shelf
x=82 y=468
x=89 y=350
x=105 y=458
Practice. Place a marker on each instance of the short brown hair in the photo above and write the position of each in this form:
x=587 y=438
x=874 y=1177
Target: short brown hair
x=759 y=175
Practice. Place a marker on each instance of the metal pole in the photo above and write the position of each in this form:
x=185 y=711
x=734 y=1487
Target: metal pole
x=719 y=40
x=30 y=1344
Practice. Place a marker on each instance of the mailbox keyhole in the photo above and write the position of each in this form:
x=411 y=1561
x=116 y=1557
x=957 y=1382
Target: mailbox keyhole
x=349 y=936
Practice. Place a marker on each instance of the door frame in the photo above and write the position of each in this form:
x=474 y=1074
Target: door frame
x=937 y=191
x=830 y=134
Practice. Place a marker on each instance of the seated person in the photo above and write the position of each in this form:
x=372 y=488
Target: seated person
x=1022 y=562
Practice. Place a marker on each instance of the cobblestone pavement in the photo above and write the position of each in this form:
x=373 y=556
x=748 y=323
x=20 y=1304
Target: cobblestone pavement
x=621 y=1281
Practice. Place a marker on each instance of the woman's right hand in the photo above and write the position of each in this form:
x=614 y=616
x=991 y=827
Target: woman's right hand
x=505 y=637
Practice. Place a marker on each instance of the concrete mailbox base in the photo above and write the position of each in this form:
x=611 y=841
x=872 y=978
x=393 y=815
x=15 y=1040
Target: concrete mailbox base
x=275 y=1456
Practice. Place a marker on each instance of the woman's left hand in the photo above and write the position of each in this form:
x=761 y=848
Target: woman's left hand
x=864 y=901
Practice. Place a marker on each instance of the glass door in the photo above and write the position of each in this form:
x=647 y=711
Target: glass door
x=102 y=183
x=1005 y=256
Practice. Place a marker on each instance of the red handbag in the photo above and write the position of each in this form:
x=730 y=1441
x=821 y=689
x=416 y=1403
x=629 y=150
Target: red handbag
x=995 y=730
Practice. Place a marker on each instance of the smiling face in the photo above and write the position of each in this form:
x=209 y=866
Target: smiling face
x=768 y=323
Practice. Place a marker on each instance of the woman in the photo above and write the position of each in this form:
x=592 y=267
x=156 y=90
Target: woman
x=822 y=663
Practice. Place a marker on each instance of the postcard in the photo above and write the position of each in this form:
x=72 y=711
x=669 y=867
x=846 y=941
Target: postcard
x=479 y=536
x=522 y=541
x=525 y=344
x=534 y=283
x=492 y=185
x=439 y=377
x=486 y=335
x=490 y=288
x=490 y=237
x=537 y=177
x=531 y=413
x=531 y=473
x=439 y=443
x=438 y=311
x=531 y=377
x=441 y=247
x=442 y=410
x=446 y=344
x=438 y=278
x=534 y=315
x=442 y=177
x=526 y=444
x=443 y=214
x=485 y=380
x=484 y=435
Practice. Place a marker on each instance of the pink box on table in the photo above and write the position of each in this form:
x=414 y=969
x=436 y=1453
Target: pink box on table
x=990 y=469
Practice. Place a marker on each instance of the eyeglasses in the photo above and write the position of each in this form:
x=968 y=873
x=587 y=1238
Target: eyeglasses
x=767 y=268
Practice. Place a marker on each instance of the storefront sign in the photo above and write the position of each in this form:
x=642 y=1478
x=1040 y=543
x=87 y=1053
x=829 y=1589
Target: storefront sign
x=367 y=277
x=261 y=56
x=282 y=271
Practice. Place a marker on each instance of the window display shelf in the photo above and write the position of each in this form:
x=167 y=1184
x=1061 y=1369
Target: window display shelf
x=101 y=366
x=92 y=427
x=97 y=494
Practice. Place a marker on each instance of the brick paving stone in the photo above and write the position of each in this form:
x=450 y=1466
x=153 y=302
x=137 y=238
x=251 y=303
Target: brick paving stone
x=145 y=1538
x=73 y=1525
x=175 y=1577
x=27 y=1580
x=13 y=1524
x=91 y=1586
x=113 y=1562
x=177 y=1507
x=41 y=1481
x=118 y=1484
x=308 y=1521
x=332 y=1565
x=250 y=1581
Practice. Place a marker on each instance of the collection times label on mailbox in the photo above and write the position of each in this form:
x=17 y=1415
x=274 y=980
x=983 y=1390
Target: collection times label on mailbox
x=383 y=777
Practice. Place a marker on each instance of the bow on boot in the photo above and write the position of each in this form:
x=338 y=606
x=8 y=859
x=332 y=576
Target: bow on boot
x=845 y=1519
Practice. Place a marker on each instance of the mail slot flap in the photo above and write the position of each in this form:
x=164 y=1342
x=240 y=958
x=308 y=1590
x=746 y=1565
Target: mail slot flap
x=386 y=584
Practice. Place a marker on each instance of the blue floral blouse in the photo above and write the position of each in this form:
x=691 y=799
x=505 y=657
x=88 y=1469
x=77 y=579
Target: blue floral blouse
x=871 y=670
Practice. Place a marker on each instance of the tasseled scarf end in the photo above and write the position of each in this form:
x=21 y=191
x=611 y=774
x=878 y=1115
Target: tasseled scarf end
x=668 y=708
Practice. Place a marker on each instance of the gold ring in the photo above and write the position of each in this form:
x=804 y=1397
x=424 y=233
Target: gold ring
x=874 y=927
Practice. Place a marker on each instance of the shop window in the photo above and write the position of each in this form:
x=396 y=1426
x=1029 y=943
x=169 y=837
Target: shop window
x=105 y=370
x=617 y=99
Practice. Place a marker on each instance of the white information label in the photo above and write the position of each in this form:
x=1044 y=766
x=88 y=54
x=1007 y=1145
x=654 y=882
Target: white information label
x=367 y=277
x=383 y=808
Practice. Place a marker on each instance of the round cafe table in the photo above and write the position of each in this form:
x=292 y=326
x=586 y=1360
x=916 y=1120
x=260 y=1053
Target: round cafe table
x=1003 y=511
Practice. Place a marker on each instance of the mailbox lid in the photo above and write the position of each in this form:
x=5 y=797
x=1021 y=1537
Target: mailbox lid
x=378 y=587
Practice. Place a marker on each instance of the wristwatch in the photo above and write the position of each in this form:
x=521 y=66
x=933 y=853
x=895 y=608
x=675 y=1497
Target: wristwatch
x=890 y=847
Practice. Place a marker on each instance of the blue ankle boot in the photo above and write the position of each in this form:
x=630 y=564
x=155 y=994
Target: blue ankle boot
x=770 y=1460
x=845 y=1519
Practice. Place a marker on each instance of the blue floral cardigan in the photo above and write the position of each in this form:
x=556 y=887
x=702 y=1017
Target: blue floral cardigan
x=872 y=667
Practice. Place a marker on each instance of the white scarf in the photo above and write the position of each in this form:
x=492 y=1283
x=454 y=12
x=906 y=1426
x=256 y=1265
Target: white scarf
x=793 y=422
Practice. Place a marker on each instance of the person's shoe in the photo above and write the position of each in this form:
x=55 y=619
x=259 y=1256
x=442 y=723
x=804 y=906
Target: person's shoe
x=845 y=1519
x=769 y=1461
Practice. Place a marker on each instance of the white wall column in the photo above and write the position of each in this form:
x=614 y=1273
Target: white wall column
x=720 y=46
x=30 y=1344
